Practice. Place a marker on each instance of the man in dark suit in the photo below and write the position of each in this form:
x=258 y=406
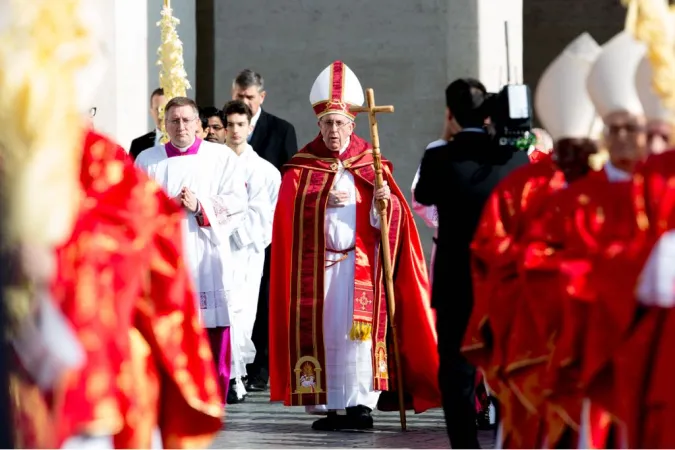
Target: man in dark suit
x=275 y=141
x=457 y=178
x=150 y=139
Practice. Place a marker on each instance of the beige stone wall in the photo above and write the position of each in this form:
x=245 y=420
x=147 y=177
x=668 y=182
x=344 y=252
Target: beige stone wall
x=549 y=25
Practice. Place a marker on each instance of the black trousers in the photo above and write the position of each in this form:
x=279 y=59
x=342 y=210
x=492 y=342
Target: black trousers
x=457 y=380
x=260 y=336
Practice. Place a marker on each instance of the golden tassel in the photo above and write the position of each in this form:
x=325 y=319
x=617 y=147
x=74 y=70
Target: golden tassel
x=361 y=331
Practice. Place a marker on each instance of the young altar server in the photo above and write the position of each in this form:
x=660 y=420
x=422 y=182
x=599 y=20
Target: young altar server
x=249 y=240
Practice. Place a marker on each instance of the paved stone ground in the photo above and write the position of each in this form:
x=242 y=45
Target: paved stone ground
x=260 y=424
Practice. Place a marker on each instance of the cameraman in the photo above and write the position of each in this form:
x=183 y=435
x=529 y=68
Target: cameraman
x=457 y=178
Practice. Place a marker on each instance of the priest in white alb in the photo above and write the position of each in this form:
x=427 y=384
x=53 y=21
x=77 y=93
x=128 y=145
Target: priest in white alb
x=206 y=180
x=249 y=240
x=330 y=345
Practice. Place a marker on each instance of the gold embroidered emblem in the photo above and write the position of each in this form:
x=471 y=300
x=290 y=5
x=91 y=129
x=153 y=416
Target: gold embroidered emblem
x=364 y=301
x=334 y=104
x=334 y=167
x=583 y=199
x=308 y=376
x=381 y=361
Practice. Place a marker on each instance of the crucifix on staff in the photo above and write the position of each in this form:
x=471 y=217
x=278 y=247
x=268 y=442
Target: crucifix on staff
x=372 y=110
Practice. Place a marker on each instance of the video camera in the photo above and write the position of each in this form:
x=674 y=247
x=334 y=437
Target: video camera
x=510 y=113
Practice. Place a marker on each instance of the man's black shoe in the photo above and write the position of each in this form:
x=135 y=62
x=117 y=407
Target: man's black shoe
x=256 y=384
x=357 y=418
x=332 y=422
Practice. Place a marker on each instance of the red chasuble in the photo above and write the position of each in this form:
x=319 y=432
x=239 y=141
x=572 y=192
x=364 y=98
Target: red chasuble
x=495 y=250
x=122 y=285
x=645 y=360
x=581 y=224
x=498 y=295
x=297 y=282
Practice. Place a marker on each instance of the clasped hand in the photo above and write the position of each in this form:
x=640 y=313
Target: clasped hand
x=337 y=199
x=187 y=199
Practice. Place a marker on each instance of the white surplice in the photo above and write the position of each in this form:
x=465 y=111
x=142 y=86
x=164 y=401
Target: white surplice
x=214 y=176
x=349 y=364
x=249 y=241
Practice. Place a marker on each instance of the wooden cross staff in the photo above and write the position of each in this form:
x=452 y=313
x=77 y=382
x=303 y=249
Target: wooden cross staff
x=372 y=110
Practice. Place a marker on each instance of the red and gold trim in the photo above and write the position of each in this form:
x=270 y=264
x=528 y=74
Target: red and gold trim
x=336 y=103
x=307 y=354
x=383 y=364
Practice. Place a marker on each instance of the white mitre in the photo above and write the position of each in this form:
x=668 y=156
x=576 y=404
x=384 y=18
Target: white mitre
x=611 y=81
x=335 y=90
x=561 y=99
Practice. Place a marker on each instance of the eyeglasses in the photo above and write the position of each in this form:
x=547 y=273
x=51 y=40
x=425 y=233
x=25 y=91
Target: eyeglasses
x=176 y=122
x=329 y=124
x=629 y=128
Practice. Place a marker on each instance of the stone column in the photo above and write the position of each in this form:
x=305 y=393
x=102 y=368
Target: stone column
x=131 y=42
x=121 y=101
x=476 y=41
x=552 y=24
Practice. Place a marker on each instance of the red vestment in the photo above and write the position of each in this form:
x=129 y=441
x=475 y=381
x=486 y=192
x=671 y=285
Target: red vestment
x=582 y=222
x=538 y=155
x=644 y=361
x=496 y=250
x=122 y=284
x=297 y=279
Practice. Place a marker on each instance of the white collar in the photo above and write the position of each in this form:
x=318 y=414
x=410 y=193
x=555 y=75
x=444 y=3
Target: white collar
x=254 y=119
x=247 y=150
x=614 y=174
x=344 y=147
x=184 y=149
x=436 y=143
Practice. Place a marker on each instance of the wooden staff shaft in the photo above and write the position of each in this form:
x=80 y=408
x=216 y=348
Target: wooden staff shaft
x=384 y=232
